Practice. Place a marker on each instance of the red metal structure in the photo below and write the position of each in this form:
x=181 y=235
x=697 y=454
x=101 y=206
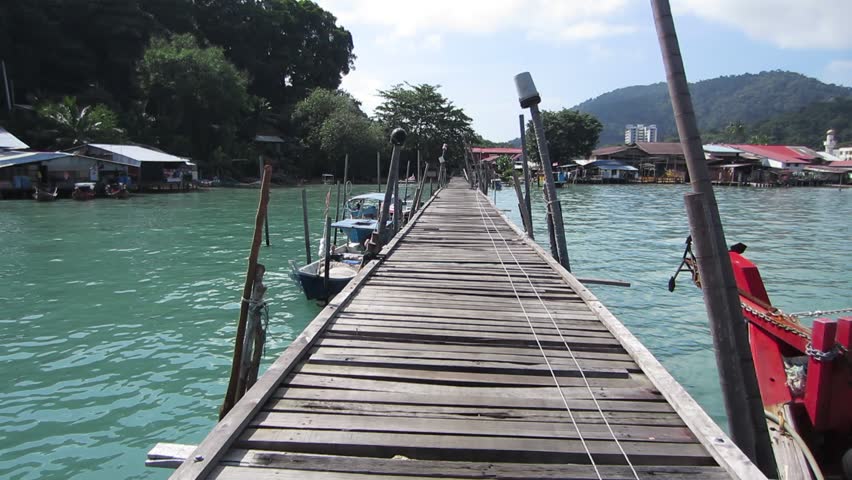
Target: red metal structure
x=805 y=374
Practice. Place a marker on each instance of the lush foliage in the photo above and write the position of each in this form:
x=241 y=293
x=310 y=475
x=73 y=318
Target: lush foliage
x=184 y=83
x=156 y=62
x=430 y=119
x=505 y=166
x=748 y=99
x=570 y=134
x=332 y=125
x=73 y=125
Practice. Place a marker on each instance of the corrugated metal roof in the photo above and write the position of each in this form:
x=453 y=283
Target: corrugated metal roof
x=713 y=148
x=137 y=153
x=10 y=142
x=495 y=150
x=268 y=139
x=9 y=159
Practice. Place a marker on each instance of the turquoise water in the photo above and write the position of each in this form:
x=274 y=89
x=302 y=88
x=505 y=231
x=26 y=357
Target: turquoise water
x=117 y=317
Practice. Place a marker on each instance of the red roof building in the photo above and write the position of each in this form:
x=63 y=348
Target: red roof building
x=482 y=153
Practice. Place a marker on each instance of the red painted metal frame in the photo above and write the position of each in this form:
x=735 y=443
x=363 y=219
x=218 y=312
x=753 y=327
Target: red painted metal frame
x=827 y=397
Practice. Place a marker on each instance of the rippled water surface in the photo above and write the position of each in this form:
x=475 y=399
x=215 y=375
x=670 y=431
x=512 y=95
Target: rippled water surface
x=117 y=317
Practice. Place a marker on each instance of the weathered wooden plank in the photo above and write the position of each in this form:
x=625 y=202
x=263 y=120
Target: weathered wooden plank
x=470 y=470
x=471 y=426
x=425 y=323
x=647 y=403
x=555 y=352
x=470 y=447
x=470 y=361
x=529 y=355
x=419 y=386
x=589 y=415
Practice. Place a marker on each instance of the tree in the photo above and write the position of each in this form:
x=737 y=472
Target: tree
x=332 y=125
x=505 y=167
x=735 y=132
x=570 y=134
x=196 y=98
x=288 y=47
x=430 y=119
x=75 y=125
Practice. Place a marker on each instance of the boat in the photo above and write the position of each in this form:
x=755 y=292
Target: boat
x=497 y=184
x=45 y=195
x=343 y=265
x=327 y=179
x=804 y=375
x=83 y=191
x=117 y=190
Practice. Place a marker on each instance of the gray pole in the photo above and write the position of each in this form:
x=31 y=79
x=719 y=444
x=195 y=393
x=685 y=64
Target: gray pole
x=266 y=217
x=721 y=297
x=529 y=98
x=6 y=83
x=397 y=138
x=379 y=171
x=418 y=165
x=345 y=179
x=405 y=193
x=525 y=162
x=305 y=221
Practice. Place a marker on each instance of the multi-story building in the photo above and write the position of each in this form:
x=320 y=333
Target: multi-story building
x=640 y=133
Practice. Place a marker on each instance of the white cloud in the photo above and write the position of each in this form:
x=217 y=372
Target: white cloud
x=545 y=19
x=793 y=24
x=363 y=87
x=839 y=72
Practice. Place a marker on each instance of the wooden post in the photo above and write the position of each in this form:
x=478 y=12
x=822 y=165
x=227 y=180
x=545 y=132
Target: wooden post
x=307 y=228
x=549 y=219
x=419 y=192
x=379 y=172
x=231 y=393
x=337 y=211
x=6 y=83
x=521 y=207
x=405 y=193
x=525 y=162
x=417 y=172
x=255 y=336
x=266 y=218
x=529 y=98
x=397 y=139
x=345 y=179
x=818 y=386
x=327 y=253
x=721 y=297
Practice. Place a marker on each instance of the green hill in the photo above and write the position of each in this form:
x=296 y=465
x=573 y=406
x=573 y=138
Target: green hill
x=748 y=98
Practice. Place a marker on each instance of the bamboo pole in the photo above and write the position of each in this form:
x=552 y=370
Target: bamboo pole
x=266 y=218
x=307 y=227
x=337 y=211
x=397 y=139
x=255 y=337
x=378 y=172
x=721 y=297
x=231 y=393
x=526 y=165
x=524 y=215
x=529 y=98
x=326 y=253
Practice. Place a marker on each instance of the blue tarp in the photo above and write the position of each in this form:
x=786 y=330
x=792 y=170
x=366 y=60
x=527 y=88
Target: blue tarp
x=612 y=165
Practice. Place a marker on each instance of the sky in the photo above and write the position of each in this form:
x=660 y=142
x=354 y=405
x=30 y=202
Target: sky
x=578 y=49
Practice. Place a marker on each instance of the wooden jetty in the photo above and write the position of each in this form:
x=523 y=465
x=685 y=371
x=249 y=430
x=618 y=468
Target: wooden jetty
x=466 y=351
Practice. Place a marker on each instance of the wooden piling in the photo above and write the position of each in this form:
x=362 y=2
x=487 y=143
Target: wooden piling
x=327 y=252
x=397 y=138
x=521 y=207
x=337 y=211
x=307 y=227
x=231 y=393
x=526 y=166
x=721 y=296
x=266 y=218
x=379 y=172
x=255 y=334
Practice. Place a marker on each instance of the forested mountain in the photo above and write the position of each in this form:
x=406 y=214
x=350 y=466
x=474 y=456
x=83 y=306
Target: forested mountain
x=747 y=99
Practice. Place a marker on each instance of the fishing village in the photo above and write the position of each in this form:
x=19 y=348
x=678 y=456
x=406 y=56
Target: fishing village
x=220 y=263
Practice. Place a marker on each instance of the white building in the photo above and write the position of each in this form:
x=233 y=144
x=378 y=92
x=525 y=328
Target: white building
x=844 y=154
x=640 y=133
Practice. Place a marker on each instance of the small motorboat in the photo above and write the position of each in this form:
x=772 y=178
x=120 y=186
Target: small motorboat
x=83 y=191
x=117 y=190
x=343 y=265
x=44 y=194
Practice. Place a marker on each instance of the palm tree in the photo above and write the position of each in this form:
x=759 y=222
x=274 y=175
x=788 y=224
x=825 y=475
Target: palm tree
x=75 y=125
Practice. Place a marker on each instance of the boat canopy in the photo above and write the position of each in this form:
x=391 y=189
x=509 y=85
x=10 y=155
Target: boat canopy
x=357 y=223
x=370 y=196
x=84 y=185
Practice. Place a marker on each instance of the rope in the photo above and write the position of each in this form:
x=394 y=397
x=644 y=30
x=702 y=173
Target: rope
x=561 y=336
x=538 y=342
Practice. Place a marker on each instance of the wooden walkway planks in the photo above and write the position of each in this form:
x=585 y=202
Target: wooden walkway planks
x=430 y=365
